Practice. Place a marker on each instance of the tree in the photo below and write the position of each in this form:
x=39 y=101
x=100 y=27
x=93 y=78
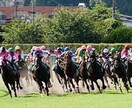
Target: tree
x=70 y=26
x=120 y=35
x=20 y=32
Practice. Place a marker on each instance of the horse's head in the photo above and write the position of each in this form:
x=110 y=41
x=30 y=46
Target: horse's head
x=116 y=62
x=67 y=56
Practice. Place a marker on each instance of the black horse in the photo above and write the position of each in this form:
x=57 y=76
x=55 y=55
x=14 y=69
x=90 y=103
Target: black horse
x=42 y=74
x=95 y=72
x=120 y=71
x=10 y=77
x=129 y=71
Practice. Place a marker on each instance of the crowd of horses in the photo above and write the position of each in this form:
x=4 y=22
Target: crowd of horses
x=69 y=73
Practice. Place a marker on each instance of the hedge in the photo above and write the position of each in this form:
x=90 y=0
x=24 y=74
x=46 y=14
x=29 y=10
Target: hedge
x=73 y=46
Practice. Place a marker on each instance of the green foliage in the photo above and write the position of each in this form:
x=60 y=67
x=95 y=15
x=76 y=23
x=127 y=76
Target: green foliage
x=70 y=26
x=22 y=32
x=81 y=25
x=105 y=27
x=1 y=33
x=121 y=35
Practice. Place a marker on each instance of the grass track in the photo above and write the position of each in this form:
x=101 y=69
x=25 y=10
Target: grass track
x=109 y=99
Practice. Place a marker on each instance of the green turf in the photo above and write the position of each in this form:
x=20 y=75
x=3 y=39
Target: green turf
x=109 y=99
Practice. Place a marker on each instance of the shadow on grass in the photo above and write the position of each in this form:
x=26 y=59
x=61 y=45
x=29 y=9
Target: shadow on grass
x=29 y=95
x=4 y=92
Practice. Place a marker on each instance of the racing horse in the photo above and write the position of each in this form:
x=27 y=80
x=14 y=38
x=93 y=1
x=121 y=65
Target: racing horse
x=24 y=73
x=95 y=72
x=10 y=77
x=59 y=72
x=84 y=72
x=71 y=71
x=120 y=71
x=42 y=74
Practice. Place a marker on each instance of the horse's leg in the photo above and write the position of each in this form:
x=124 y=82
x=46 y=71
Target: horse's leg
x=21 y=81
x=65 y=82
x=7 y=86
x=98 y=86
x=73 y=86
x=87 y=85
x=105 y=77
x=92 y=85
x=27 y=79
x=77 y=83
x=46 y=88
x=18 y=81
x=14 y=88
x=31 y=78
x=118 y=83
x=104 y=86
x=129 y=79
x=68 y=82
x=124 y=80
x=58 y=78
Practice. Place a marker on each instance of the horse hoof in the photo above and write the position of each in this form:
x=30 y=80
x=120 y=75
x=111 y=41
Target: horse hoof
x=21 y=88
x=104 y=87
x=70 y=90
x=92 y=87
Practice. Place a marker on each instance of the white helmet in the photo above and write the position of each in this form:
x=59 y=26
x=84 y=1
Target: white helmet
x=105 y=50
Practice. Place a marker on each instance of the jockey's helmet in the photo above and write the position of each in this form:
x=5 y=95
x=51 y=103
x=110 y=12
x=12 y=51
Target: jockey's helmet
x=89 y=48
x=127 y=47
x=83 y=47
x=105 y=50
x=37 y=49
x=113 y=50
x=43 y=47
x=11 y=50
x=17 y=48
x=2 y=49
x=59 y=49
x=67 y=49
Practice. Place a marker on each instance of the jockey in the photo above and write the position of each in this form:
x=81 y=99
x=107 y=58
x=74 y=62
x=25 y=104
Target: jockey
x=46 y=54
x=113 y=53
x=65 y=50
x=58 y=52
x=19 y=51
x=39 y=53
x=13 y=58
x=82 y=52
x=31 y=54
x=124 y=53
x=89 y=51
x=3 y=53
x=105 y=55
x=77 y=56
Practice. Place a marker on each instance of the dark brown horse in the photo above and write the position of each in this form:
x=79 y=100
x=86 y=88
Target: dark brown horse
x=10 y=77
x=59 y=72
x=42 y=74
x=24 y=73
x=129 y=71
x=71 y=71
x=95 y=72
x=84 y=72
x=120 y=71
